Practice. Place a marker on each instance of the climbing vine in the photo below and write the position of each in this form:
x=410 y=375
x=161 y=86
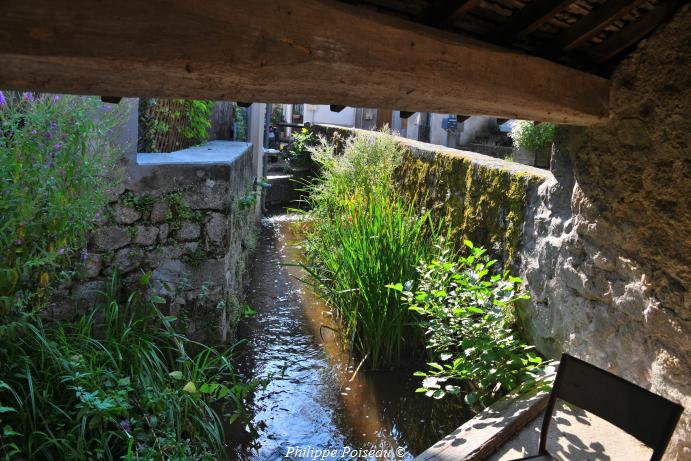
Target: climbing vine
x=166 y=125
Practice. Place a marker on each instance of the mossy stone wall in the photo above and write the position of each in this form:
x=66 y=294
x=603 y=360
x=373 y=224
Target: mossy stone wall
x=484 y=199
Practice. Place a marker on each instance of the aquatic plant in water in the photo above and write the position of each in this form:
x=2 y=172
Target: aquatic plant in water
x=467 y=313
x=362 y=237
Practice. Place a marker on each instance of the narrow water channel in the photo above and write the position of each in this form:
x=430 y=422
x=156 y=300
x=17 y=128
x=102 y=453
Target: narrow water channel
x=315 y=399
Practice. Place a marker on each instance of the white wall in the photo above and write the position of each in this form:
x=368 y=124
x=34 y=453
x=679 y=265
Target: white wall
x=321 y=114
x=437 y=135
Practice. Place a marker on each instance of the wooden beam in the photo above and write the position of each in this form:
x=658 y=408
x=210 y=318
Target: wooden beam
x=633 y=32
x=528 y=19
x=111 y=99
x=445 y=12
x=293 y=51
x=593 y=23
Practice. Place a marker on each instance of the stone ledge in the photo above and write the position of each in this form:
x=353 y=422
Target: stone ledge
x=478 y=438
x=211 y=153
x=428 y=151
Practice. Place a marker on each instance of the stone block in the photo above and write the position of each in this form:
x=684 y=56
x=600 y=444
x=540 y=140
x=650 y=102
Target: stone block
x=89 y=293
x=189 y=231
x=125 y=215
x=162 y=254
x=145 y=235
x=163 y=231
x=92 y=266
x=216 y=228
x=160 y=212
x=128 y=259
x=213 y=195
x=111 y=237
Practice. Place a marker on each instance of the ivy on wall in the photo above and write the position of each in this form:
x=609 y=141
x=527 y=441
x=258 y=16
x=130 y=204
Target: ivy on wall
x=167 y=125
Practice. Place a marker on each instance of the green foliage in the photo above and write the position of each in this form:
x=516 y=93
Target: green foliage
x=467 y=313
x=362 y=237
x=120 y=383
x=166 y=125
x=240 y=123
x=299 y=149
x=276 y=114
x=56 y=155
x=527 y=135
x=198 y=120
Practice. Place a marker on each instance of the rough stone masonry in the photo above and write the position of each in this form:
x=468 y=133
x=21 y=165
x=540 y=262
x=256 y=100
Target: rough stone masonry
x=607 y=255
x=192 y=225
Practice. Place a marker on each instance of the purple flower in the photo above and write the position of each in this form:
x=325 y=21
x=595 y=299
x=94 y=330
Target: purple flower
x=58 y=146
x=85 y=254
x=108 y=107
x=61 y=251
x=53 y=126
x=125 y=425
x=3 y=101
x=28 y=96
x=34 y=131
x=18 y=242
x=98 y=215
x=56 y=98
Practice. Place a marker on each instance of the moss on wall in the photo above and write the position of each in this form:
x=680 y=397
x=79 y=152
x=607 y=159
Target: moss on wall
x=482 y=203
x=483 y=199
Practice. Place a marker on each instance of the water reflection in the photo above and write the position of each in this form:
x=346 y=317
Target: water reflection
x=316 y=400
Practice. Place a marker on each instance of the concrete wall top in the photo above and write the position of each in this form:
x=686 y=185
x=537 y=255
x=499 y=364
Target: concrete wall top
x=428 y=150
x=211 y=153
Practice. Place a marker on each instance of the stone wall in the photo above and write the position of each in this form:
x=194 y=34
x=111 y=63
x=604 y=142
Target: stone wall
x=188 y=219
x=608 y=253
x=484 y=199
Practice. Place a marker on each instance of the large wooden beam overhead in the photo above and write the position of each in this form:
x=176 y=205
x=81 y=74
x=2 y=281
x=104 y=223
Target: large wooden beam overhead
x=293 y=51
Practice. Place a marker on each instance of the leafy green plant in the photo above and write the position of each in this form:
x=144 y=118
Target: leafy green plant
x=57 y=159
x=531 y=136
x=298 y=151
x=240 y=123
x=119 y=383
x=198 y=120
x=467 y=315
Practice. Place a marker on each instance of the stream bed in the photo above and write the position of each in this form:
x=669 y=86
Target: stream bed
x=315 y=399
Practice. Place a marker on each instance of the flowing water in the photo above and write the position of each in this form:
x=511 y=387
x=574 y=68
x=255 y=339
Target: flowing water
x=315 y=399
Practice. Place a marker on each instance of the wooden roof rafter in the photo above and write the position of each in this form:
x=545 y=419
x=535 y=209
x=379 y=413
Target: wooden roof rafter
x=445 y=12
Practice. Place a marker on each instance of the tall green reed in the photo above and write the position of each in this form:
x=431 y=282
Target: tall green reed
x=363 y=237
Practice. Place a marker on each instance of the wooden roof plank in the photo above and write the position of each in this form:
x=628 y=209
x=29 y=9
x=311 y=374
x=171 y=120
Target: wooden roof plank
x=445 y=12
x=593 y=23
x=633 y=32
x=529 y=18
x=294 y=51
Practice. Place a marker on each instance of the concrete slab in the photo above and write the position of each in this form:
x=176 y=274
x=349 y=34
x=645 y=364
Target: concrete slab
x=213 y=152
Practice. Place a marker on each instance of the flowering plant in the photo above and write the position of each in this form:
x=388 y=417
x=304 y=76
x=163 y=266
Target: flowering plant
x=56 y=155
